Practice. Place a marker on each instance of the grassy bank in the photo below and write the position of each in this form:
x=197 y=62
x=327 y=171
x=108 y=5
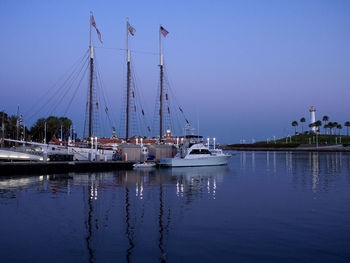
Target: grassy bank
x=322 y=139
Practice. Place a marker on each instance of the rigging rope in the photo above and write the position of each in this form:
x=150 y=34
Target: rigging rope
x=75 y=92
x=100 y=83
x=74 y=67
x=68 y=88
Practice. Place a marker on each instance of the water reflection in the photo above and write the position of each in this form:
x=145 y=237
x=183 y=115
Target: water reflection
x=243 y=158
x=129 y=229
x=274 y=161
x=253 y=161
x=267 y=160
x=89 y=226
x=316 y=170
x=144 y=208
x=149 y=194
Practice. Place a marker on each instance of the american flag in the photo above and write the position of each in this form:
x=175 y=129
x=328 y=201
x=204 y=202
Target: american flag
x=163 y=31
x=93 y=23
x=131 y=30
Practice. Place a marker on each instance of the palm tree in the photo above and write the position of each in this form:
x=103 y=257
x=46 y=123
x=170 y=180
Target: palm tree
x=318 y=124
x=326 y=126
x=339 y=127
x=330 y=126
x=325 y=118
x=347 y=124
x=294 y=124
x=302 y=120
x=335 y=124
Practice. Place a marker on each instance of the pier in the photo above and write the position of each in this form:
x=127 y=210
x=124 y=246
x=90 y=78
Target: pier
x=20 y=168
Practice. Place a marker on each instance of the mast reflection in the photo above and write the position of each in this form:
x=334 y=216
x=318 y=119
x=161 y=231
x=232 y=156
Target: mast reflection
x=160 y=224
x=129 y=230
x=89 y=226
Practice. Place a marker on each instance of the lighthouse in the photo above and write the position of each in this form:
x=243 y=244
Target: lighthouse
x=313 y=118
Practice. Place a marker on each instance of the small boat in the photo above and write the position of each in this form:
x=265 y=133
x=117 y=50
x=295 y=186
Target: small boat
x=144 y=165
x=196 y=155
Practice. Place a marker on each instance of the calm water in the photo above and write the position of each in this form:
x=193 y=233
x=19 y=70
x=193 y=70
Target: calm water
x=262 y=207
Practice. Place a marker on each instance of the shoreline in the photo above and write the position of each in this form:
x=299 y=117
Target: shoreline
x=328 y=148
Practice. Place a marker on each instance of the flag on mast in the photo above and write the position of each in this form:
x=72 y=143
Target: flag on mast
x=93 y=23
x=131 y=29
x=163 y=31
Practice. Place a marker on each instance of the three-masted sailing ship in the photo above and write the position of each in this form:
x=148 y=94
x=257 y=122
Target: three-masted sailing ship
x=83 y=150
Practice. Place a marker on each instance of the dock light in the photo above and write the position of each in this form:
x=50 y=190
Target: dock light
x=92 y=146
x=214 y=142
x=208 y=142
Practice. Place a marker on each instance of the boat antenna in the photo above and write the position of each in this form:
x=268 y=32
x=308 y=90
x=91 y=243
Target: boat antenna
x=197 y=124
x=17 y=123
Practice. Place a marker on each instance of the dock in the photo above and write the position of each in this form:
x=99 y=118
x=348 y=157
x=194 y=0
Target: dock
x=21 y=168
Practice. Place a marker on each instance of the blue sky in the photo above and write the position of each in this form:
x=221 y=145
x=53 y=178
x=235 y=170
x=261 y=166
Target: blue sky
x=242 y=69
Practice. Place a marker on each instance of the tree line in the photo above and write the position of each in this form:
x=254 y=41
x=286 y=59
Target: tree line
x=331 y=127
x=12 y=127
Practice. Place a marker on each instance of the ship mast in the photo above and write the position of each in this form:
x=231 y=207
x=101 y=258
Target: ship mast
x=91 y=79
x=128 y=81
x=161 y=85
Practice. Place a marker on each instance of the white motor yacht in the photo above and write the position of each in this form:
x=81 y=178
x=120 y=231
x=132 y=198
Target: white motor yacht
x=196 y=155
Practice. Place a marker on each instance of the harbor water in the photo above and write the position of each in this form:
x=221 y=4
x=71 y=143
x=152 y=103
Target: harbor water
x=261 y=207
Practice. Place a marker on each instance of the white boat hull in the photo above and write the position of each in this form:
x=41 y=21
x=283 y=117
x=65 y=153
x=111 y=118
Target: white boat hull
x=6 y=155
x=204 y=161
x=83 y=154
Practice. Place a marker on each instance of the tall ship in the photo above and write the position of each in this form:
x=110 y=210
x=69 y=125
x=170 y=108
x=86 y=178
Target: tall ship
x=94 y=147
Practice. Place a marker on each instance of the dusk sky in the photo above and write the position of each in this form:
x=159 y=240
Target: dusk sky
x=242 y=69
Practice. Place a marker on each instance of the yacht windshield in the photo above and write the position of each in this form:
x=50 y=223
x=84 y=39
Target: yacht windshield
x=198 y=151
